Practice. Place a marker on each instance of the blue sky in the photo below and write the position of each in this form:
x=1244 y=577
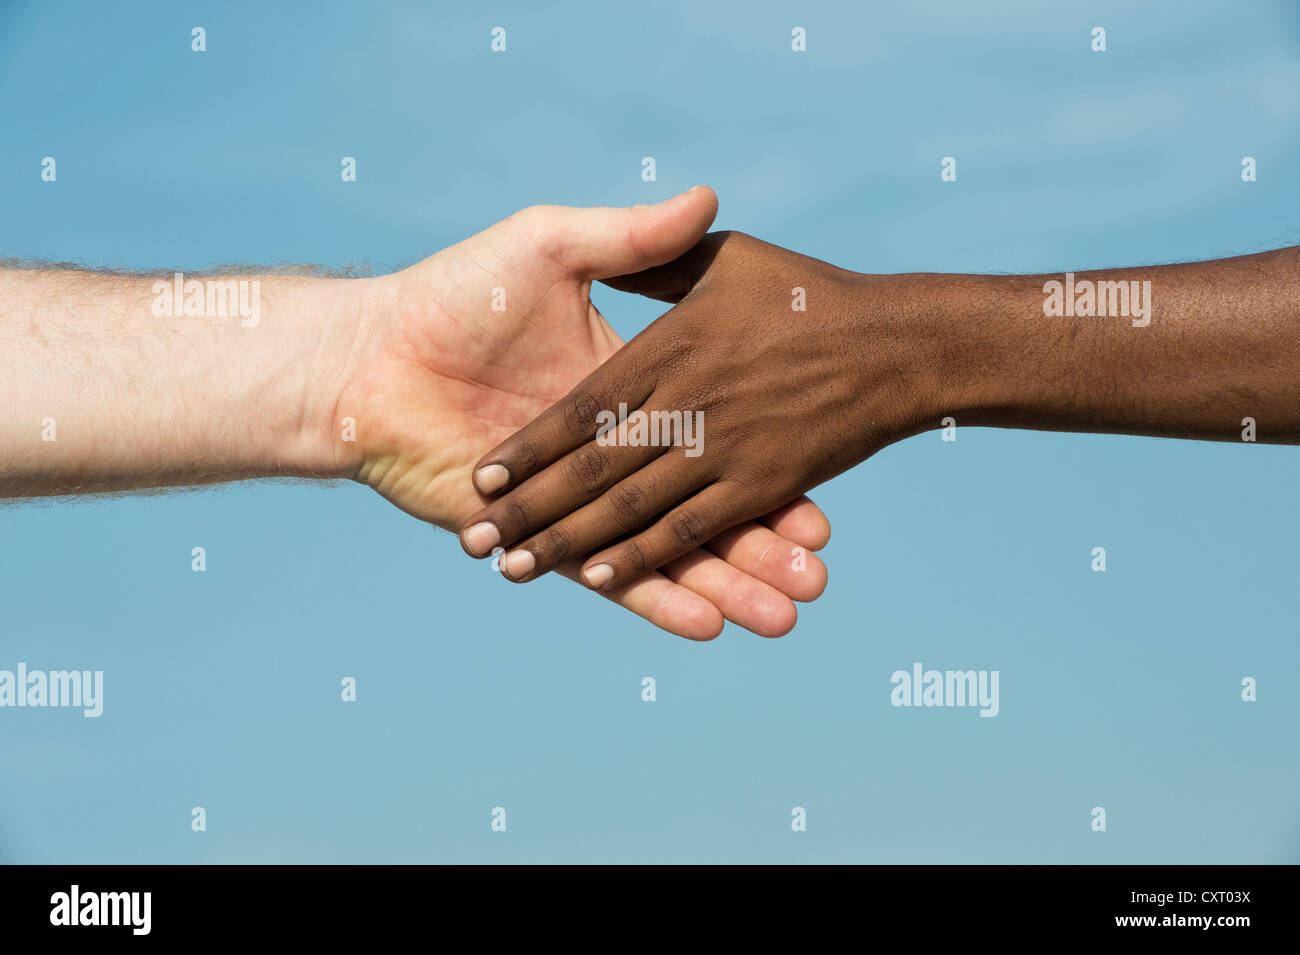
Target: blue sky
x=1119 y=690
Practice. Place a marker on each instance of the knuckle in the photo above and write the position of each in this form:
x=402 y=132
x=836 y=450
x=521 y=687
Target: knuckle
x=688 y=528
x=676 y=353
x=737 y=241
x=531 y=216
x=580 y=413
x=527 y=218
x=554 y=544
x=590 y=469
x=634 y=558
x=517 y=519
x=538 y=224
x=751 y=480
x=628 y=501
x=522 y=460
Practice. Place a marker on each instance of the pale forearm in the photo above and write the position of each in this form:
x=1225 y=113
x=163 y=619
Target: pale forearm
x=107 y=384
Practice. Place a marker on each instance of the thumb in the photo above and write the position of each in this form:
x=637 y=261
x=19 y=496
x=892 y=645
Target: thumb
x=603 y=242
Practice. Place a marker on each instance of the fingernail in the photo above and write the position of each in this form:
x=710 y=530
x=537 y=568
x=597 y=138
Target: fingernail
x=519 y=563
x=598 y=576
x=482 y=537
x=491 y=479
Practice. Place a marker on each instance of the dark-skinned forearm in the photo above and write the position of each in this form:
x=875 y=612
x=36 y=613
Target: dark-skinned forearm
x=1221 y=344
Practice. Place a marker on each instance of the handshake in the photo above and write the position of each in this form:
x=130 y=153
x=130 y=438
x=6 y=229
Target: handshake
x=492 y=397
x=482 y=391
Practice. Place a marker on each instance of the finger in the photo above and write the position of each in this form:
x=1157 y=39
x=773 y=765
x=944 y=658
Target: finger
x=565 y=426
x=802 y=522
x=625 y=507
x=740 y=596
x=671 y=281
x=763 y=555
x=597 y=243
x=679 y=531
x=576 y=479
x=668 y=605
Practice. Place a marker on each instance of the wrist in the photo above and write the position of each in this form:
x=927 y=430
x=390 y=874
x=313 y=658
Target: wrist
x=962 y=342
x=916 y=362
x=323 y=336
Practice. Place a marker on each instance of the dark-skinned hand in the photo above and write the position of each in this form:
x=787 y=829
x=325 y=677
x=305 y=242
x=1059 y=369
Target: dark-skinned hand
x=783 y=398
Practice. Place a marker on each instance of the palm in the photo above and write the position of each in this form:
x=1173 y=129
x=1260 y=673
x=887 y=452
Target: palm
x=447 y=378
